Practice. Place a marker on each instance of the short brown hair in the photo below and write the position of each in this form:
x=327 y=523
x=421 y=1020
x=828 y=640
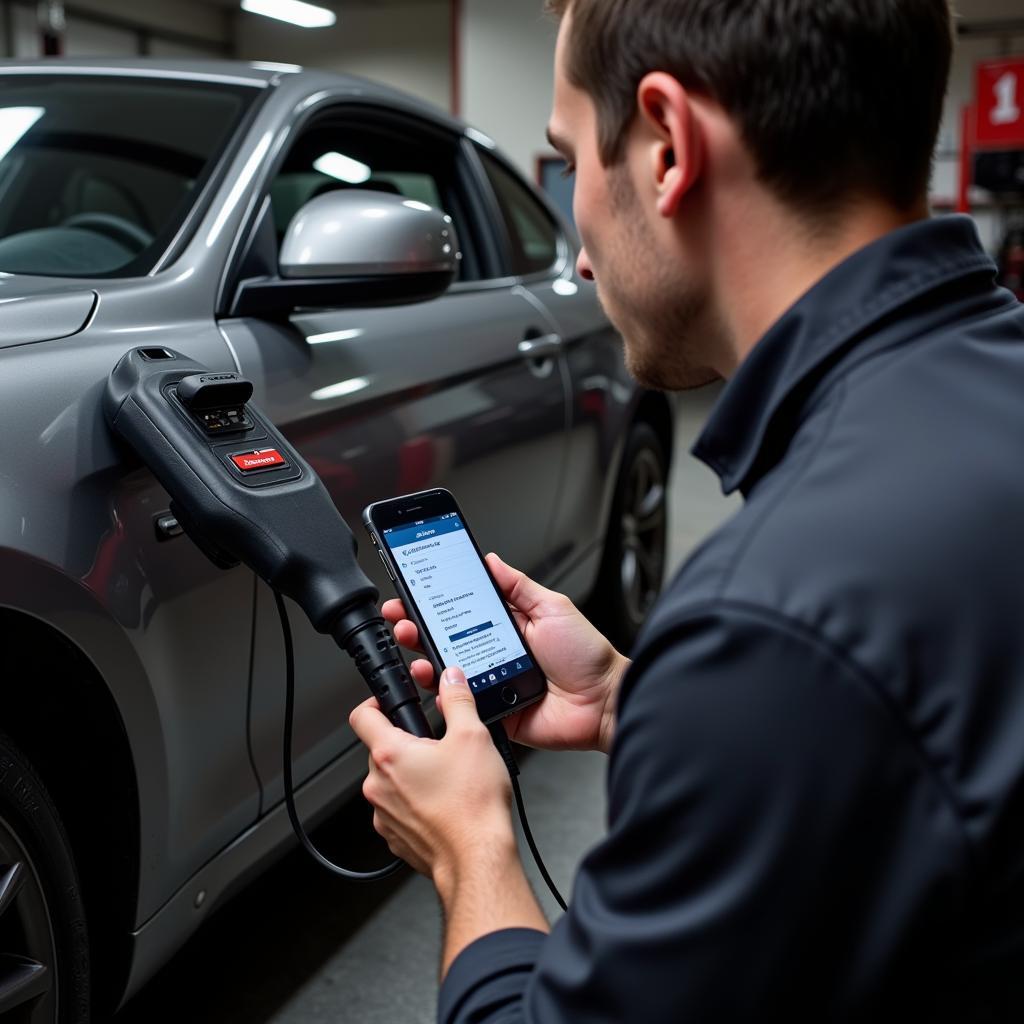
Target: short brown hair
x=832 y=97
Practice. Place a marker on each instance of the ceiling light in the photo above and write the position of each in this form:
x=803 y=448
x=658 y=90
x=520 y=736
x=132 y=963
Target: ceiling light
x=295 y=12
x=14 y=122
x=344 y=168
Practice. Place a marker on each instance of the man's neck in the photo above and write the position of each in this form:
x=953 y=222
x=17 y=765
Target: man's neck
x=767 y=264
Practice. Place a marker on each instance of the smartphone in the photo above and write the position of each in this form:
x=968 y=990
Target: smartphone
x=437 y=568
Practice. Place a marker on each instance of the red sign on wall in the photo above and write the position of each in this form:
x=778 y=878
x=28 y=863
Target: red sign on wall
x=1000 y=103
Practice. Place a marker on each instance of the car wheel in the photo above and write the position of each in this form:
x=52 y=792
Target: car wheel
x=633 y=563
x=44 y=949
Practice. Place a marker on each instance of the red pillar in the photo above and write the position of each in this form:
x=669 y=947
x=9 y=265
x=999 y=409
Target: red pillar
x=963 y=203
x=456 y=57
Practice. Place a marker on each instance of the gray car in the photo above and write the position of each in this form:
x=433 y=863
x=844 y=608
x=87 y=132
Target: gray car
x=145 y=204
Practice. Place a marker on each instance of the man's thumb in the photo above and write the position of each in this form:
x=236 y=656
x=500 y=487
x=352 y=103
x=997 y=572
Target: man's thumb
x=457 y=701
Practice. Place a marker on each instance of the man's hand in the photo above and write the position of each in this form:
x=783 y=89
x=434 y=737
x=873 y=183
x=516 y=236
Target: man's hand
x=443 y=806
x=437 y=801
x=582 y=668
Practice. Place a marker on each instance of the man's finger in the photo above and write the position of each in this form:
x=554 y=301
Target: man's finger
x=370 y=724
x=519 y=590
x=456 y=698
x=407 y=635
x=423 y=673
x=393 y=610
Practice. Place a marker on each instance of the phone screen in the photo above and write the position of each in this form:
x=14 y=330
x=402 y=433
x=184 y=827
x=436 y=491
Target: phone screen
x=456 y=599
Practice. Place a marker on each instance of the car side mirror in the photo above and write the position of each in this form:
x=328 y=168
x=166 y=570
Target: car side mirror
x=354 y=247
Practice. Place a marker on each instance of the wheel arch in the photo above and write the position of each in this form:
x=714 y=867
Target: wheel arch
x=653 y=407
x=77 y=697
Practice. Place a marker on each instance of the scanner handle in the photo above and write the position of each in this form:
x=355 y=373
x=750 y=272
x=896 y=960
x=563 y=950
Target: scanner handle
x=363 y=634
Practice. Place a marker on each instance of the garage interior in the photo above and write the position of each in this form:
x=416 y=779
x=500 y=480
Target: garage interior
x=296 y=946
x=465 y=56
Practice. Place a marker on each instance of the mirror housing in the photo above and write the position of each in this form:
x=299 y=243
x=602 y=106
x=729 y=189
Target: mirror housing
x=355 y=248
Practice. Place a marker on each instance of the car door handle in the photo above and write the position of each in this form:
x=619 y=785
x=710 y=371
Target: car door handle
x=544 y=347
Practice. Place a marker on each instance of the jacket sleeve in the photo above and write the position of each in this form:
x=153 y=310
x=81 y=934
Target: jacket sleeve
x=778 y=846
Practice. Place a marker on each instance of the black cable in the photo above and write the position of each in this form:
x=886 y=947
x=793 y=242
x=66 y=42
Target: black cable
x=500 y=737
x=498 y=734
x=289 y=795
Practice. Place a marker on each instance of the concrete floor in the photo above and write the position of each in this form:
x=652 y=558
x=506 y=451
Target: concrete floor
x=301 y=947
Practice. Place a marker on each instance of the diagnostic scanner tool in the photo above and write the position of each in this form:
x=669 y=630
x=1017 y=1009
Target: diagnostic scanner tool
x=244 y=494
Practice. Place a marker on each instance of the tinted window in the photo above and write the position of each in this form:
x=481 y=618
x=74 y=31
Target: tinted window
x=98 y=174
x=532 y=233
x=337 y=154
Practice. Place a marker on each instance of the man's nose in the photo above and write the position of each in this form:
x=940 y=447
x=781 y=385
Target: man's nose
x=583 y=267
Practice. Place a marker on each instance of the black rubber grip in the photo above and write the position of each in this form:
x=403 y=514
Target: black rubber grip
x=364 y=635
x=411 y=718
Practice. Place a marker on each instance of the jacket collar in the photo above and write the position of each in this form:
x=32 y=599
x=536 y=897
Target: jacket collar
x=758 y=412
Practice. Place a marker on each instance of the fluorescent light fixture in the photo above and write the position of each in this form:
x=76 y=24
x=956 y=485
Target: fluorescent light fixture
x=295 y=12
x=344 y=168
x=14 y=122
x=342 y=388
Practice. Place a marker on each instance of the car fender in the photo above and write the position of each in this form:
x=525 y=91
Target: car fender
x=32 y=587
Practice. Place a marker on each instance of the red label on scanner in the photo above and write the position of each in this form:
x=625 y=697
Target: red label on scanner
x=262 y=459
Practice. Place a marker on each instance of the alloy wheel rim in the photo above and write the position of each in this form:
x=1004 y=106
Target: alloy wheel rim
x=643 y=535
x=28 y=971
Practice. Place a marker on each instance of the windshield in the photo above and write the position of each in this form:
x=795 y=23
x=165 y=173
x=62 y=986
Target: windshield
x=98 y=174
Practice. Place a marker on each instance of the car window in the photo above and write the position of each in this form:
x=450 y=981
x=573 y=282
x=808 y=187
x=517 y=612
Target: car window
x=351 y=153
x=97 y=174
x=532 y=233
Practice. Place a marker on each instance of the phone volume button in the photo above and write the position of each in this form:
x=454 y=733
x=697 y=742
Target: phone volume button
x=387 y=567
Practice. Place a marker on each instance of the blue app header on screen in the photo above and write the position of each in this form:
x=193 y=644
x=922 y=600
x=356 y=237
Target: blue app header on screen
x=423 y=530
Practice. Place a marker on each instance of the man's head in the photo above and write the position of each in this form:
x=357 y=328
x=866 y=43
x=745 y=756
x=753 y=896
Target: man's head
x=685 y=116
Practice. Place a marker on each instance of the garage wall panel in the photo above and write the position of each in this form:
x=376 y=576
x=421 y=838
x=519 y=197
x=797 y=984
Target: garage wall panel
x=87 y=39
x=205 y=20
x=403 y=45
x=507 y=57
x=27 y=41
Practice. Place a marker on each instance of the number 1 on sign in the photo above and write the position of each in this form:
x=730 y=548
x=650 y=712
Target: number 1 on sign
x=1006 y=110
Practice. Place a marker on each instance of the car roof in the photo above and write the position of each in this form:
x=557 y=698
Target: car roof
x=254 y=73
x=257 y=74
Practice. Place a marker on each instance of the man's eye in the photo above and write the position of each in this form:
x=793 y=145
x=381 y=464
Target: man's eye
x=568 y=171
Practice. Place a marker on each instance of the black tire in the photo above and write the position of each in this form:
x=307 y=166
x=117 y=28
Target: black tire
x=633 y=562
x=44 y=945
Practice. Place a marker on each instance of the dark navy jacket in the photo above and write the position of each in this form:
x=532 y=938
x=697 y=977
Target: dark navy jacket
x=816 y=790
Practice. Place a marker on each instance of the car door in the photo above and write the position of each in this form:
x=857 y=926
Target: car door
x=386 y=401
x=601 y=392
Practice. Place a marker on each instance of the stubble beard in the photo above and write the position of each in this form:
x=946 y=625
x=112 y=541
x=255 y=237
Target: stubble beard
x=665 y=324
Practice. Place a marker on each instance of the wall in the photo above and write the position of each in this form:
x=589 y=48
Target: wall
x=404 y=45
x=112 y=28
x=507 y=51
x=205 y=21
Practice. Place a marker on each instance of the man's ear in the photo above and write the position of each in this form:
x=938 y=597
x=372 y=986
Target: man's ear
x=676 y=149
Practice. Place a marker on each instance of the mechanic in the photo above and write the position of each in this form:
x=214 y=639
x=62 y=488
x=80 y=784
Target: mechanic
x=816 y=775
